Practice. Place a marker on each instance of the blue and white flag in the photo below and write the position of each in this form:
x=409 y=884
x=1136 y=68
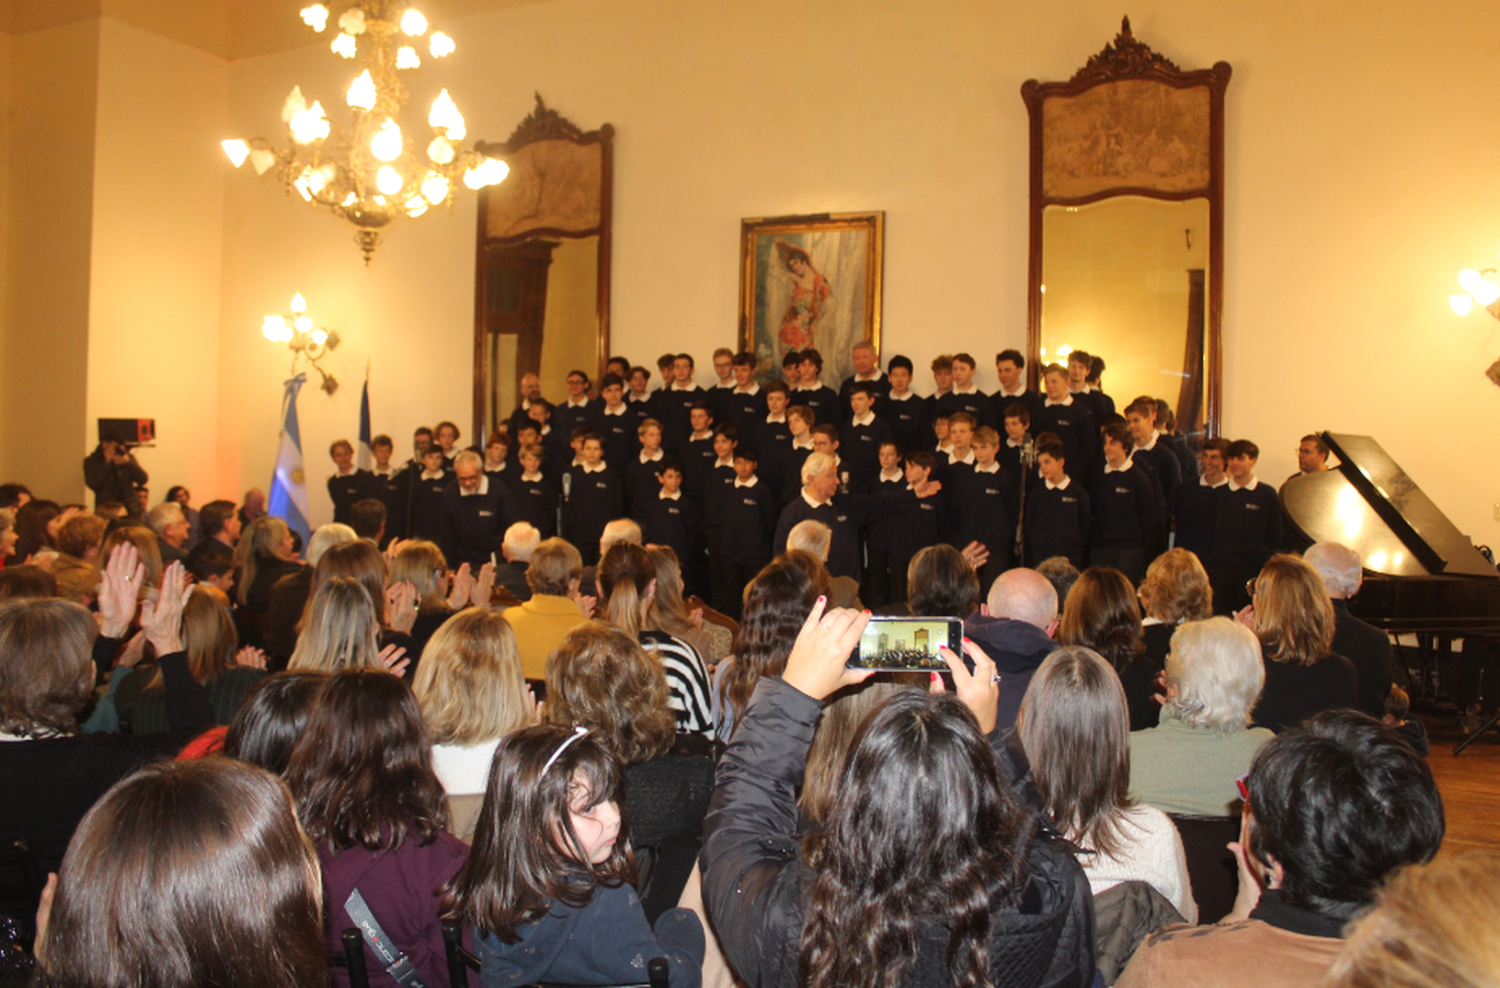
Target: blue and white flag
x=289 y=486
x=364 y=459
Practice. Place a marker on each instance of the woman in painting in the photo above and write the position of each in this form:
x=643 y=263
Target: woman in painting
x=811 y=297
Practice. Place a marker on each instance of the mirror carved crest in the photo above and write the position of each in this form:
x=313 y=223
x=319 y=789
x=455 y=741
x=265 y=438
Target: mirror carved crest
x=1128 y=129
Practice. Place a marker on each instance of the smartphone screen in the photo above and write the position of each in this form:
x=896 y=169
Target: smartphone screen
x=904 y=644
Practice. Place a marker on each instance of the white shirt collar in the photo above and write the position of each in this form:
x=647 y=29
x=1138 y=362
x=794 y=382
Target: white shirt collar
x=894 y=474
x=690 y=386
x=874 y=375
x=663 y=495
x=594 y=467
x=753 y=389
x=811 y=503
x=1066 y=401
x=698 y=437
x=1018 y=393
x=815 y=386
x=864 y=419
x=531 y=478
x=944 y=447
x=615 y=413
x=578 y=403
x=994 y=467
x=347 y=473
x=637 y=399
x=432 y=474
x=967 y=458
x=1013 y=444
x=386 y=471
x=724 y=461
x=1058 y=487
x=747 y=483
x=648 y=458
x=1150 y=444
x=775 y=418
x=972 y=389
x=483 y=488
x=1203 y=481
x=910 y=394
x=1245 y=487
x=1121 y=468
x=803 y=443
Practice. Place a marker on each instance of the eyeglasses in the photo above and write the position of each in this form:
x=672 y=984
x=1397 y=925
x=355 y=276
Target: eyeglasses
x=1250 y=587
x=1244 y=789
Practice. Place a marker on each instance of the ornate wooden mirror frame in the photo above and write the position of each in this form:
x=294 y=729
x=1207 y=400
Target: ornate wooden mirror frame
x=1132 y=124
x=535 y=261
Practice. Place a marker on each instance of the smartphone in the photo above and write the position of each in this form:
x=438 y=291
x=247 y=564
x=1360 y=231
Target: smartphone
x=907 y=644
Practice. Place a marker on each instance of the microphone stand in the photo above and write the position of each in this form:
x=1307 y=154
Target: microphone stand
x=1028 y=461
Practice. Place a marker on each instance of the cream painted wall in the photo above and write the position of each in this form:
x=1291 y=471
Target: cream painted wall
x=44 y=335
x=1356 y=167
x=158 y=249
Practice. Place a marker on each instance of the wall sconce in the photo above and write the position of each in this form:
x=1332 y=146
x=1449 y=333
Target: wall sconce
x=304 y=338
x=1483 y=288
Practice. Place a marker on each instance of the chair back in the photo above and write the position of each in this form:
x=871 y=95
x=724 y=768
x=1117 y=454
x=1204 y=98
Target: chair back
x=352 y=958
x=1210 y=864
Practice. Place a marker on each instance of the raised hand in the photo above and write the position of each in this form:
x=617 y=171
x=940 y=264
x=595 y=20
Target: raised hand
x=402 y=602
x=161 y=619
x=120 y=590
x=484 y=586
x=979 y=690
x=816 y=665
x=250 y=656
x=393 y=657
x=463 y=584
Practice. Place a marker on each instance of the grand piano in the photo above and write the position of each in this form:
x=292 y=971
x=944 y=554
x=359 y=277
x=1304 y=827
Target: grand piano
x=1422 y=575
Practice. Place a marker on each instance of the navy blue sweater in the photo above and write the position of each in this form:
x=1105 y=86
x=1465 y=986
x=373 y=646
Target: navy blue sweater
x=536 y=502
x=1126 y=511
x=749 y=521
x=859 y=448
x=474 y=526
x=845 y=515
x=1247 y=525
x=1057 y=522
x=594 y=500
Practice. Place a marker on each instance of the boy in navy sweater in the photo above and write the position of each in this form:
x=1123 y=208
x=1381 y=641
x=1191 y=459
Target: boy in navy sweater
x=907 y=413
x=984 y=504
x=861 y=436
x=579 y=409
x=640 y=473
x=673 y=403
x=749 y=521
x=919 y=525
x=966 y=396
x=1057 y=509
x=348 y=483
x=425 y=496
x=772 y=436
x=697 y=452
x=1247 y=529
x=875 y=588
x=534 y=494
x=668 y=517
x=1150 y=446
x=1194 y=506
x=617 y=423
x=800 y=421
x=823 y=400
x=1126 y=512
x=594 y=499
x=719 y=482
x=1017 y=432
x=1066 y=418
x=745 y=403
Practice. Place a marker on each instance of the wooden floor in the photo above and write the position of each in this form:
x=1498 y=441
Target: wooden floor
x=1470 y=784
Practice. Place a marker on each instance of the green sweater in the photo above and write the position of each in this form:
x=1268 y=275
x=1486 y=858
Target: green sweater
x=1178 y=768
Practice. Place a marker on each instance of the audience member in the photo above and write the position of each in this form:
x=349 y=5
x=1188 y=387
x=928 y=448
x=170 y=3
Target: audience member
x=341 y=630
x=1293 y=617
x=1176 y=589
x=112 y=473
x=1015 y=629
x=26 y=581
x=941 y=583
x=668 y=611
x=813 y=538
x=521 y=540
x=553 y=610
x=1398 y=717
x=1189 y=762
x=218 y=528
x=777 y=601
x=273 y=716
x=1368 y=648
x=76 y=569
x=291 y=594
x=1102 y=614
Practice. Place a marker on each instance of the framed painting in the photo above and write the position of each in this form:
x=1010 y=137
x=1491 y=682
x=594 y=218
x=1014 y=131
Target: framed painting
x=810 y=281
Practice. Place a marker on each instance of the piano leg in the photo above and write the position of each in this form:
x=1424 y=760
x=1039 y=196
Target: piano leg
x=1475 y=736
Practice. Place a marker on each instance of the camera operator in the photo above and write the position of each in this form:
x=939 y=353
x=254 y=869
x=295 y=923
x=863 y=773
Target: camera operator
x=113 y=474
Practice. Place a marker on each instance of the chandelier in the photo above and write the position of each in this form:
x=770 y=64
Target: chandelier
x=304 y=338
x=375 y=172
x=1480 y=287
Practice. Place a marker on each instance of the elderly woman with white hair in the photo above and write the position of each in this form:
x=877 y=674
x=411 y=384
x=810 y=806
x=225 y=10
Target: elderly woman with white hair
x=1368 y=648
x=1189 y=762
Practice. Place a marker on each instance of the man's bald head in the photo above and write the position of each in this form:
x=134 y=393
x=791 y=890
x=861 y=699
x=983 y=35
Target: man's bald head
x=1024 y=595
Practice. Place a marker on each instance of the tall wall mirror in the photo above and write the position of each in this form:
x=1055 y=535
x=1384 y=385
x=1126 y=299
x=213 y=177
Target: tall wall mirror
x=542 y=270
x=1127 y=226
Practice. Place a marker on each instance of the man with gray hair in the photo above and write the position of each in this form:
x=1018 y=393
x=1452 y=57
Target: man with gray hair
x=171 y=527
x=1368 y=648
x=1015 y=628
x=521 y=540
x=476 y=513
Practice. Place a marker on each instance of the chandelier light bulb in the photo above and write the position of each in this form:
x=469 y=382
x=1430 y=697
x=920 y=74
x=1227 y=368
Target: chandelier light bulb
x=1488 y=293
x=302 y=187
x=316 y=179
x=262 y=160
x=491 y=171
x=1470 y=280
x=1463 y=303
x=361 y=93
x=294 y=104
x=304 y=324
x=406 y=58
x=315 y=17
x=388 y=180
x=343 y=45
x=349 y=200
x=237 y=150
x=441 y=44
x=440 y=150
x=416 y=206
x=299 y=304
x=352 y=21
x=435 y=188
x=386 y=144
x=310 y=125
x=413 y=23
x=319 y=337
x=444 y=113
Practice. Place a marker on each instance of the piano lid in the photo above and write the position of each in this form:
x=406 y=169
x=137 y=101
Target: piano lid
x=1369 y=504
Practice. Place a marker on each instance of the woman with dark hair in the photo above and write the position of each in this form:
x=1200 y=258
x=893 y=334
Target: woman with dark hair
x=776 y=604
x=26 y=580
x=266 y=727
x=34 y=527
x=51 y=774
x=8 y=535
x=1292 y=615
x=927 y=870
x=366 y=794
x=627 y=586
x=601 y=679
x=548 y=885
x=1102 y=614
x=941 y=583
x=1073 y=726
x=186 y=874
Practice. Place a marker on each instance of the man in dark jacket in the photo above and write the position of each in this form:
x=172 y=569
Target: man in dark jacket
x=1368 y=648
x=112 y=473
x=476 y=514
x=1015 y=629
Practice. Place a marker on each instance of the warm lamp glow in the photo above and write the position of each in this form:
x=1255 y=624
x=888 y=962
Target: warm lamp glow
x=237 y=150
x=441 y=44
x=413 y=23
x=440 y=150
x=406 y=58
x=299 y=304
x=491 y=171
x=304 y=324
x=309 y=125
x=416 y=206
x=1470 y=280
x=318 y=336
x=361 y=93
x=388 y=180
x=1487 y=294
x=344 y=45
x=1463 y=303
x=352 y=21
x=435 y=188
x=261 y=160
x=386 y=145
x=315 y=17
x=444 y=113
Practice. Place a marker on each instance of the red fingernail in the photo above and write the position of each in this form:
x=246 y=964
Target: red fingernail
x=867 y=612
x=936 y=677
x=968 y=641
x=822 y=600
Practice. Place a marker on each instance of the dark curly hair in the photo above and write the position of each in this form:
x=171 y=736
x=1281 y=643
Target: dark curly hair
x=777 y=602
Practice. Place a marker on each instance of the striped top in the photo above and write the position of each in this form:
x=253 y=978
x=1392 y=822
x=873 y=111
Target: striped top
x=687 y=680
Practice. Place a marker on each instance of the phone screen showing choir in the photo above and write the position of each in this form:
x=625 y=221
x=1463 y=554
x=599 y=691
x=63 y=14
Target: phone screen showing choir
x=905 y=643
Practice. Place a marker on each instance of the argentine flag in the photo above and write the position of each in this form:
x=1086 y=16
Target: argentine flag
x=364 y=459
x=288 y=486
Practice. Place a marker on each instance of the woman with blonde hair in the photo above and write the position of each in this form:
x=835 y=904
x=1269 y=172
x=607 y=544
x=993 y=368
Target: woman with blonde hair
x=263 y=555
x=472 y=694
x=668 y=611
x=423 y=565
x=214 y=658
x=1175 y=590
x=627 y=586
x=146 y=549
x=1189 y=762
x=342 y=630
x=1074 y=726
x=1292 y=615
